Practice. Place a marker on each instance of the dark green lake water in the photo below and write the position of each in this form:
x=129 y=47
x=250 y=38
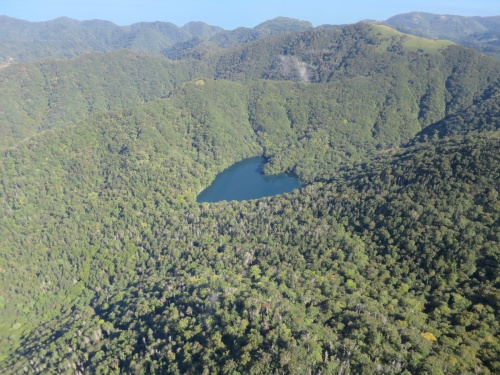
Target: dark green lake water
x=244 y=180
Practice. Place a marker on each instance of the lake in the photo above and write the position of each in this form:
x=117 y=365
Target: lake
x=244 y=180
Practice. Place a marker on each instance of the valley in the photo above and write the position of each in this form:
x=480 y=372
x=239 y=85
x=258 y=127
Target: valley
x=386 y=260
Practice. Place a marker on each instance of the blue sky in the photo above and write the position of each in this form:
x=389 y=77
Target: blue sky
x=230 y=14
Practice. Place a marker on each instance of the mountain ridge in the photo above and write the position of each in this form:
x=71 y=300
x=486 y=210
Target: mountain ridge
x=104 y=36
x=386 y=261
x=481 y=33
x=59 y=92
x=66 y=37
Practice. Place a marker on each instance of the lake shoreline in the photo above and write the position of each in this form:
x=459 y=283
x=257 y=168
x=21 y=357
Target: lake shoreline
x=244 y=180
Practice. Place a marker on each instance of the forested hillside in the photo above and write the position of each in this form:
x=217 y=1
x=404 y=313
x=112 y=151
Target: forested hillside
x=481 y=116
x=386 y=261
x=377 y=82
x=65 y=37
x=57 y=93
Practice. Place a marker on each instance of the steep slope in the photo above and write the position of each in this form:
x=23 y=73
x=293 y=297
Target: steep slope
x=386 y=261
x=367 y=88
x=158 y=149
x=372 y=87
x=396 y=258
x=57 y=93
x=357 y=50
x=483 y=115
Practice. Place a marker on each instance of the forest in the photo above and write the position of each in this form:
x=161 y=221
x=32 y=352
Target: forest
x=386 y=261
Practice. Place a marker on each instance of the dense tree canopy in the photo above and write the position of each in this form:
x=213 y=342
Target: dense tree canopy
x=386 y=261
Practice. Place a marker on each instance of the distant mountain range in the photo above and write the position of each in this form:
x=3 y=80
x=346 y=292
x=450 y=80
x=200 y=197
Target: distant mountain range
x=64 y=37
x=481 y=33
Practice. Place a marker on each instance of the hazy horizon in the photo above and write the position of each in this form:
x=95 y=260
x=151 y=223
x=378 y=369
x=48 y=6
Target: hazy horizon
x=229 y=15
